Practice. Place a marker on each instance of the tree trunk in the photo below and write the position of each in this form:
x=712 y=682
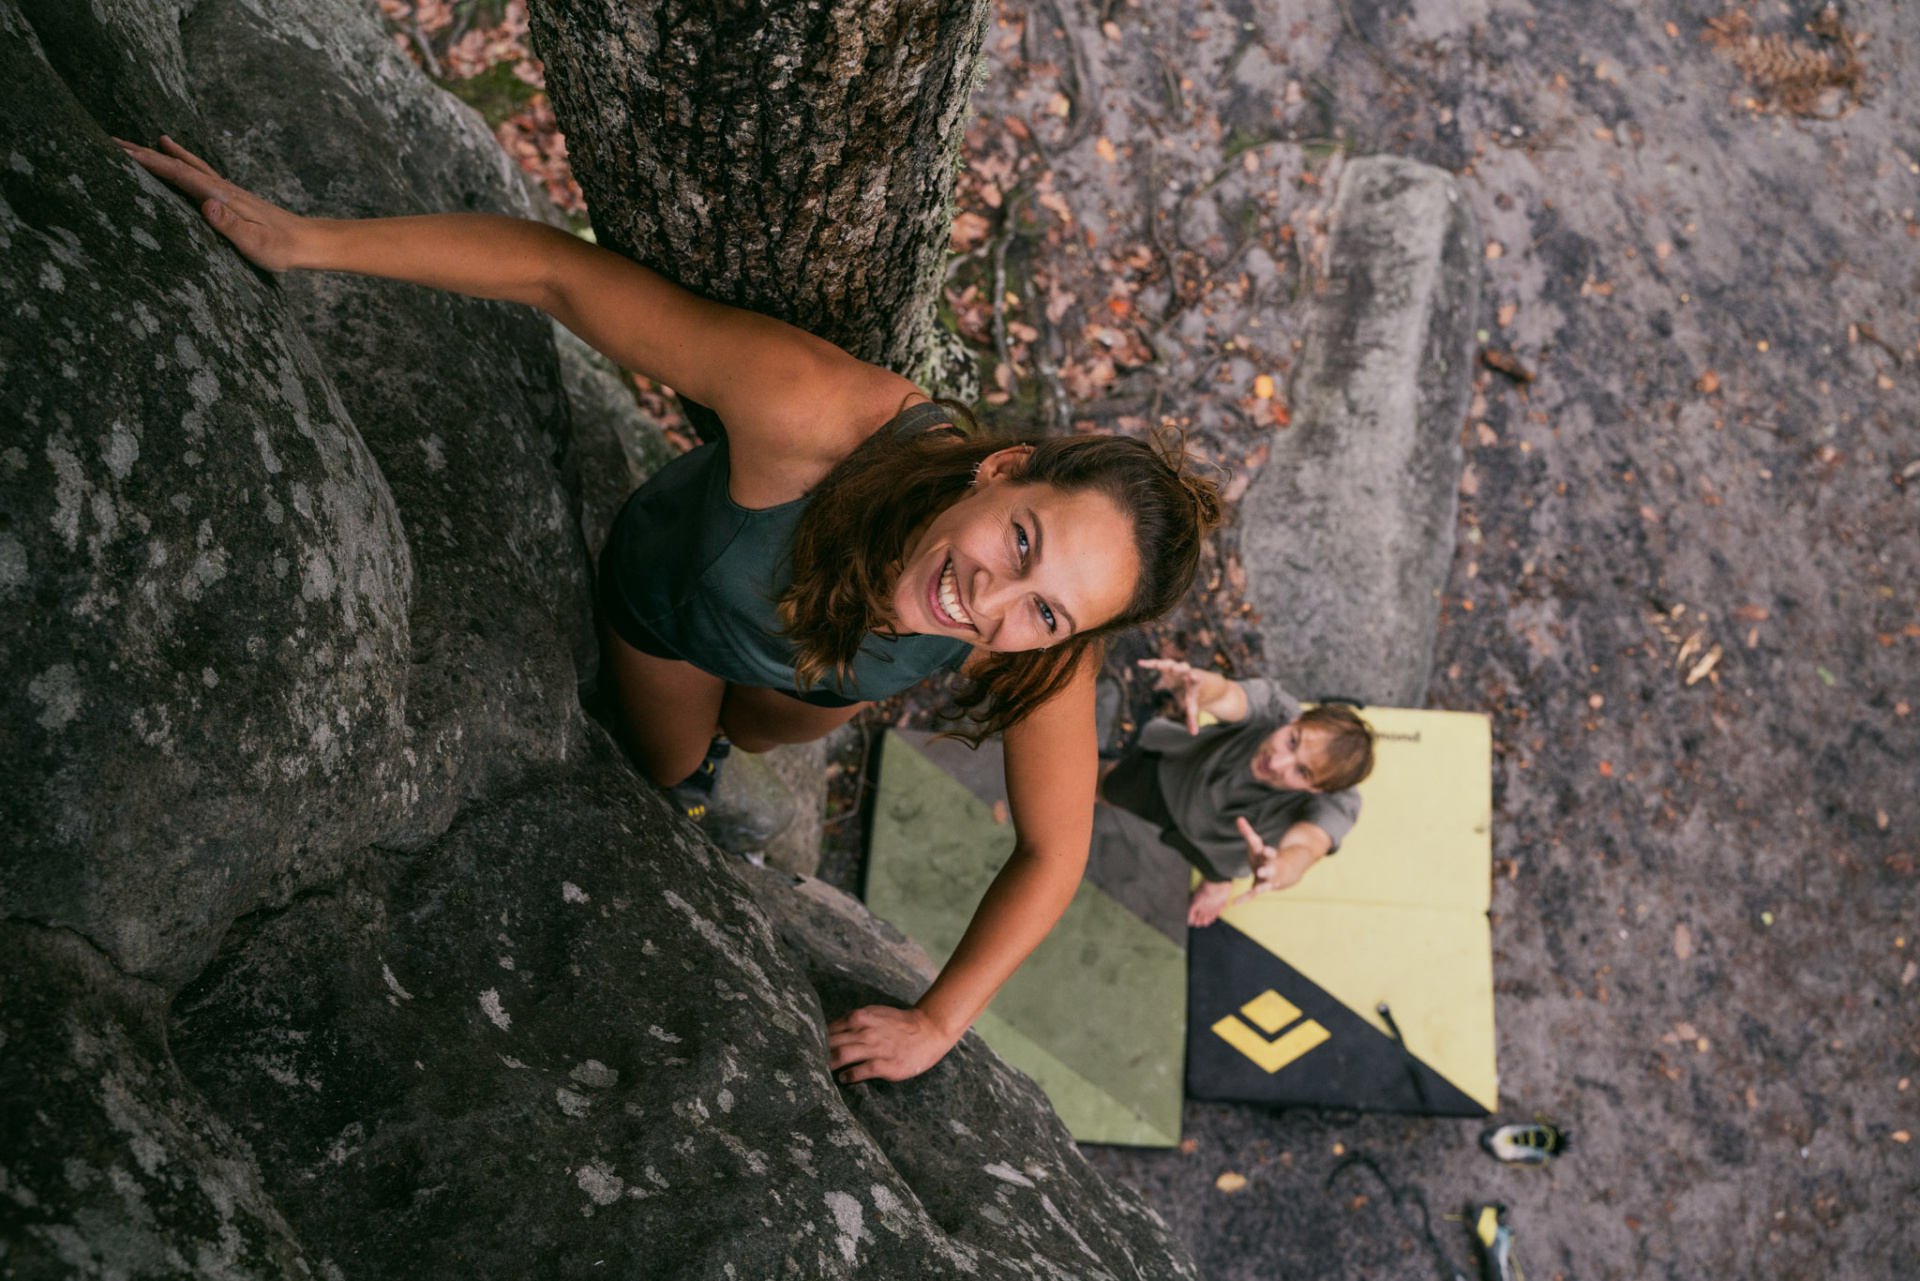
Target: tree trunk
x=793 y=158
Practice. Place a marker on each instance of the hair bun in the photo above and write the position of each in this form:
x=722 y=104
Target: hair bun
x=1171 y=446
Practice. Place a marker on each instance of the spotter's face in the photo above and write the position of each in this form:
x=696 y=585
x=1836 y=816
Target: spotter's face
x=1292 y=758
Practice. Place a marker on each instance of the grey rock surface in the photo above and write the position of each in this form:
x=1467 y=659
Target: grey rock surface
x=204 y=578
x=803 y=768
x=108 y=1167
x=566 y=1031
x=459 y=399
x=749 y=806
x=1348 y=531
x=615 y=444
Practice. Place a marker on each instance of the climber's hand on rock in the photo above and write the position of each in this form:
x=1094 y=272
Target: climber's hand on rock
x=266 y=234
x=878 y=1042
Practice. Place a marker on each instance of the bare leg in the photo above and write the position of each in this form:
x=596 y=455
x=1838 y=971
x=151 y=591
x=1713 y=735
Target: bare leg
x=759 y=719
x=671 y=709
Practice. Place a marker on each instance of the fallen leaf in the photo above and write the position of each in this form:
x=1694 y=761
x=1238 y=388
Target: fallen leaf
x=1060 y=105
x=1908 y=974
x=1494 y=250
x=1705 y=665
x=1111 y=30
x=1263 y=387
x=1901 y=1136
x=1507 y=313
x=1682 y=942
x=1606 y=769
x=1709 y=383
x=1103 y=148
x=1189 y=1146
x=1507 y=363
x=1663 y=250
x=1230 y=1182
x=1685 y=1031
x=1236 y=488
x=969 y=230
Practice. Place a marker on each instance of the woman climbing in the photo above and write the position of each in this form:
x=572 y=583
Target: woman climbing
x=844 y=541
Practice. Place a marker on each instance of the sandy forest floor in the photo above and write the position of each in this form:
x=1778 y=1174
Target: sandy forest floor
x=1687 y=585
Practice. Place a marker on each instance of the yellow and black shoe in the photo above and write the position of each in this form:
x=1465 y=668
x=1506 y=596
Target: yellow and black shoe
x=695 y=792
x=1534 y=1144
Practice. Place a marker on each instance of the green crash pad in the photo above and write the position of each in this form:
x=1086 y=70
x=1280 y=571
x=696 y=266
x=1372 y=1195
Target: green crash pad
x=1097 y=1015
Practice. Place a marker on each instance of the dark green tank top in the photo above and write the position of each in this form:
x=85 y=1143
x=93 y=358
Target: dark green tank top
x=700 y=574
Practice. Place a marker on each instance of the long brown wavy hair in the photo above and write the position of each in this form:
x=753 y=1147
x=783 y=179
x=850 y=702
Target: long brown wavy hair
x=854 y=537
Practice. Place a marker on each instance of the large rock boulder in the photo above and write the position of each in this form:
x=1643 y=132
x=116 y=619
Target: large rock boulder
x=108 y=1167
x=205 y=584
x=616 y=445
x=1348 y=532
x=460 y=400
x=566 y=1033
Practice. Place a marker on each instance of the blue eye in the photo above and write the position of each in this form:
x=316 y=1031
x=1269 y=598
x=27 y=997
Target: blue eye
x=1046 y=616
x=1020 y=540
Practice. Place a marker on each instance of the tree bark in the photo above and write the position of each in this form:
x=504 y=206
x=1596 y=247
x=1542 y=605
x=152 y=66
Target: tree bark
x=793 y=158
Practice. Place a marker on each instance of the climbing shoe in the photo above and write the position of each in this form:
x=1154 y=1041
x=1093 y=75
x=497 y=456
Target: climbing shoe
x=1534 y=1144
x=695 y=792
x=1498 y=1261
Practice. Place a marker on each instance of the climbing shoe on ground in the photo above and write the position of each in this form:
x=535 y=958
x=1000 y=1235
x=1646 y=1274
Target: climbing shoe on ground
x=1498 y=1261
x=1534 y=1144
x=695 y=792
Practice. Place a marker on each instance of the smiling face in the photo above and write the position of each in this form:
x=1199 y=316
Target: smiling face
x=1017 y=567
x=1293 y=758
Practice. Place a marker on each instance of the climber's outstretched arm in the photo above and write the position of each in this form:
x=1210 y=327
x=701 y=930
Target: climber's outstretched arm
x=741 y=364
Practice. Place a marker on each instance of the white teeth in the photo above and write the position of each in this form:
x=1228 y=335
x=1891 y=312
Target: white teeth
x=950 y=595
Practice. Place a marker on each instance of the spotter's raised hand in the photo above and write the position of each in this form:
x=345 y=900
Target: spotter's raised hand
x=1184 y=683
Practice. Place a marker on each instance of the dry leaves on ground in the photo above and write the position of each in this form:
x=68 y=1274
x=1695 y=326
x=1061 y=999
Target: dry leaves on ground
x=1820 y=79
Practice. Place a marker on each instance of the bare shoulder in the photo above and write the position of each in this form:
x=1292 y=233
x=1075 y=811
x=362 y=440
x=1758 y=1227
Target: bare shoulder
x=797 y=415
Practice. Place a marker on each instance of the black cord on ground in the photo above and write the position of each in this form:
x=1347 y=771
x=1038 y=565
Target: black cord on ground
x=1413 y=1064
x=1449 y=1270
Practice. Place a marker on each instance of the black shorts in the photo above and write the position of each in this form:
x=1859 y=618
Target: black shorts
x=1133 y=784
x=630 y=628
